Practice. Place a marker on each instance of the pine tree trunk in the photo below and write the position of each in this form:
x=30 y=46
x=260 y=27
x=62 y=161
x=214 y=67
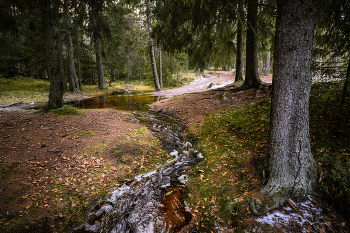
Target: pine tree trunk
x=345 y=87
x=267 y=65
x=128 y=67
x=151 y=50
x=251 y=75
x=100 y=76
x=261 y=64
x=292 y=167
x=160 y=68
x=56 y=84
x=60 y=61
x=72 y=76
x=239 y=68
x=71 y=66
x=78 y=57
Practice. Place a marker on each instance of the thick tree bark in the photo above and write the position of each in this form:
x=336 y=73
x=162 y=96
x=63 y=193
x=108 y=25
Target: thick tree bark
x=251 y=75
x=292 y=167
x=239 y=68
x=56 y=84
x=72 y=75
x=101 y=84
x=267 y=65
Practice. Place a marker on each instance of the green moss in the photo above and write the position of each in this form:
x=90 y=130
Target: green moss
x=67 y=110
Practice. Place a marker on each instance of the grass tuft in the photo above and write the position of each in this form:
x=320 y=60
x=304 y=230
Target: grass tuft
x=67 y=110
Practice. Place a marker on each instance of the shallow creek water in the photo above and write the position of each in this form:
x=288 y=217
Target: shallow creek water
x=150 y=202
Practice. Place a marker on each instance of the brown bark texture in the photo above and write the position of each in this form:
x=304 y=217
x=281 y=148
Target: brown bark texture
x=56 y=84
x=292 y=167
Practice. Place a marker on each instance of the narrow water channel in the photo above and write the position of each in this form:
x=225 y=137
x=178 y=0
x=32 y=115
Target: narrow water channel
x=150 y=202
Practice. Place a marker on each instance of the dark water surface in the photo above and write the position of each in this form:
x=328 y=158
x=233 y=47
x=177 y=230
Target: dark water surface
x=127 y=102
x=150 y=202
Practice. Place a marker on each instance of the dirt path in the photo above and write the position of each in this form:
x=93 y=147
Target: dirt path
x=195 y=101
x=212 y=80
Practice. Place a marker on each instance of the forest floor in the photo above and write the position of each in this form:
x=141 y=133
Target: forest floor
x=53 y=168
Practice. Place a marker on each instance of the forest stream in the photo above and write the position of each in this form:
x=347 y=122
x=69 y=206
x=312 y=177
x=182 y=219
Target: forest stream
x=150 y=202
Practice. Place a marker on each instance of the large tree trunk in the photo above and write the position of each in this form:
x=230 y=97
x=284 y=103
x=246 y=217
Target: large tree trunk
x=251 y=75
x=239 y=76
x=100 y=76
x=292 y=167
x=72 y=75
x=56 y=84
x=267 y=65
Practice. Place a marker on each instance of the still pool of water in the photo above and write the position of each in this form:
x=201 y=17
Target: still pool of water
x=128 y=102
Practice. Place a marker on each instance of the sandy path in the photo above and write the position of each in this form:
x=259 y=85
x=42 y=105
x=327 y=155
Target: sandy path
x=217 y=79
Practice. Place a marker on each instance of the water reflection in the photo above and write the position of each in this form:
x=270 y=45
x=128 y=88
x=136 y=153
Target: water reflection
x=133 y=102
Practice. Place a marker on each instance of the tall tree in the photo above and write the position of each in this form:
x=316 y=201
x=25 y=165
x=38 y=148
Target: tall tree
x=251 y=75
x=292 y=167
x=267 y=64
x=239 y=68
x=151 y=49
x=160 y=68
x=72 y=75
x=56 y=83
x=78 y=56
x=101 y=83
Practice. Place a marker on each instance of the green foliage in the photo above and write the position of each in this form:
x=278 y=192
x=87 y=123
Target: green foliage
x=228 y=140
x=330 y=143
x=67 y=110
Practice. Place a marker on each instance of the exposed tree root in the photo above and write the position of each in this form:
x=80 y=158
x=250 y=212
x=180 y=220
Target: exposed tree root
x=261 y=207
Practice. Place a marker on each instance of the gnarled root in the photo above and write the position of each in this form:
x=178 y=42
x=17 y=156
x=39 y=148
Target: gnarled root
x=261 y=207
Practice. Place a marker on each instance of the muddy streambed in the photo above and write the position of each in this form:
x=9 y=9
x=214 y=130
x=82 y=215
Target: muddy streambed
x=150 y=202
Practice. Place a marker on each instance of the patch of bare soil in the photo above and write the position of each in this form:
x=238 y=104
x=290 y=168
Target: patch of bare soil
x=51 y=164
